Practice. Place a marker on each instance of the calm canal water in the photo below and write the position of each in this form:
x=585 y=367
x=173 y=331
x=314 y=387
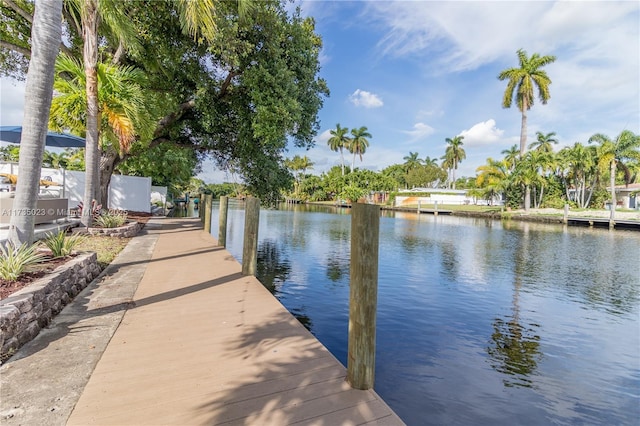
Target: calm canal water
x=479 y=321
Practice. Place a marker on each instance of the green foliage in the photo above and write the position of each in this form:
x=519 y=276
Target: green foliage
x=425 y=176
x=111 y=219
x=61 y=244
x=166 y=164
x=13 y=261
x=599 y=198
x=352 y=193
x=220 y=189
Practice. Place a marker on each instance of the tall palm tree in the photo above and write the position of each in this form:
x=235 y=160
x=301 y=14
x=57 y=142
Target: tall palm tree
x=359 y=143
x=46 y=36
x=447 y=164
x=614 y=154
x=544 y=142
x=411 y=161
x=522 y=82
x=338 y=141
x=456 y=154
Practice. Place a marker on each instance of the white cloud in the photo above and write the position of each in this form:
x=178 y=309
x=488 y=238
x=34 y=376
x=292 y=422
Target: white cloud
x=365 y=99
x=420 y=131
x=483 y=133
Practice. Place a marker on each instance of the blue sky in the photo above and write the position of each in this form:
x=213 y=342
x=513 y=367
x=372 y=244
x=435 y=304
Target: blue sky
x=417 y=72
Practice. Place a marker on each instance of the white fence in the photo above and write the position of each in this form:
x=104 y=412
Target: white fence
x=130 y=193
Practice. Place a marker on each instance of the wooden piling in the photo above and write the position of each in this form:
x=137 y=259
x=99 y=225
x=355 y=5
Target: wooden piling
x=365 y=224
x=565 y=219
x=222 y=222
x=200 y=208
x=419 y=206
x=435 y=211
x=206 y=205
x=250 y=246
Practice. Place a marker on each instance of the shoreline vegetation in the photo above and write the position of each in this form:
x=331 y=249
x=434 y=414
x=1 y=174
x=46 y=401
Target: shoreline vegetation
x=500 y=212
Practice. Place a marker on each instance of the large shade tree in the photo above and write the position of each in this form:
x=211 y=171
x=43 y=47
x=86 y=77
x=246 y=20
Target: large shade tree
x=239 y=90
x=521 y=84
x=45 y=42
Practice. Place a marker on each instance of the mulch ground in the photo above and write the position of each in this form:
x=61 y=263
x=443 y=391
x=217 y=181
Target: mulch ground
x=41 y=269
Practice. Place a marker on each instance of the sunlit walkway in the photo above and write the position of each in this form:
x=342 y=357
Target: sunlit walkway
x=205 y=345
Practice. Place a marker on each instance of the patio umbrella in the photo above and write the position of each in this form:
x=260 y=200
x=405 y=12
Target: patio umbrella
x=13 y=134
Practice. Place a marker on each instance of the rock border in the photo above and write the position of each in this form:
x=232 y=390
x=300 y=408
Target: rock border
x=29 y=310
x=128 y=230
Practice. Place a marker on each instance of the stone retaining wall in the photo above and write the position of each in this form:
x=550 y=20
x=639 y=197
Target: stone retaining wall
x=129 y=230
x=26 y=312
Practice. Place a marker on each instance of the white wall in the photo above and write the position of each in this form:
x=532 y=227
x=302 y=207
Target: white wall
x=130 y=193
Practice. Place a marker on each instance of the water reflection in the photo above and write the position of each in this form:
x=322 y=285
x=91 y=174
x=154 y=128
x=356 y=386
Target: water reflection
x=515 y=351
x=479 y=322
x=273 y=266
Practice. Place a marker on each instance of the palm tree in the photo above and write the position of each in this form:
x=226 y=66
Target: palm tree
x=338 y=141
x=359 y=143
x=123 y=105
x=411 y=161
x=428 y=161
x=578 y=169
x=55 y=160
x=299 y=166
x=493 y=178
x=614 y=154
x=447 y=164
x=544 y=142
x=456 y=154
x=522 y=82
x=46 y=36
x=526 y=174
x=511 y=156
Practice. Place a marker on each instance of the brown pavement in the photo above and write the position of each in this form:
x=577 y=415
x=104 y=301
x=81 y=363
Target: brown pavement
x=205 y=345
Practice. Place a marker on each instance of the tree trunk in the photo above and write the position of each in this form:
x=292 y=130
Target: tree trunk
x=612 y=183
x=523 y=131
x=342 y=160
x=90 y=52
x=527 y=197
x=453 y=176
x=108 y=161
x=46 y=36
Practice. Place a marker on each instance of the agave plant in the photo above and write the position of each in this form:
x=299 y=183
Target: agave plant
x=13 y=261
x=61 y=244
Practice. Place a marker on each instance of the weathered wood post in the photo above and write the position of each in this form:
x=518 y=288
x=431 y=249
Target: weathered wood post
x=250 y=247
x=200 y=208
x=435 y=212
x=206 y=205
x=222 y=222
x=565 y=219
x=365 y=224
x=419 y=206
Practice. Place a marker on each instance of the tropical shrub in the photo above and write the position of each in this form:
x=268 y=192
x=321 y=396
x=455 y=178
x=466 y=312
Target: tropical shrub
x=61 y=244
x=13 y=261
x=111 y=219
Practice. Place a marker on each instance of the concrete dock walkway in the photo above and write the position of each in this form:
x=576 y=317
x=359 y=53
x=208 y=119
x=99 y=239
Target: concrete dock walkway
x=201 y=344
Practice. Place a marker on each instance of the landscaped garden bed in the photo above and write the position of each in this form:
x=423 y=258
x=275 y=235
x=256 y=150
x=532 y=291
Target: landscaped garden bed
x=27 y=311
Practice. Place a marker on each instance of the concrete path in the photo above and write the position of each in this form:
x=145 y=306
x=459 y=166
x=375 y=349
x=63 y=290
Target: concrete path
x=201 y=344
